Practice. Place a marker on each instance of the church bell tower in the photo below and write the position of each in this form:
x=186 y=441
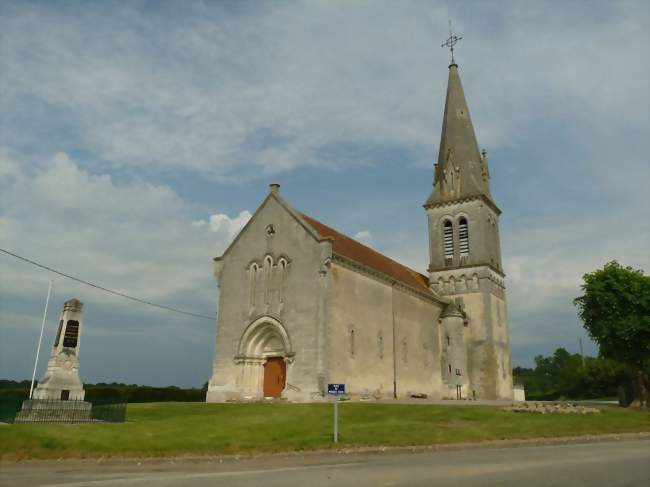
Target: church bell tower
x=465 y=253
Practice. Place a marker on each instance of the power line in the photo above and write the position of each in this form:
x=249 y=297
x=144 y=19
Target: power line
x=101 y=288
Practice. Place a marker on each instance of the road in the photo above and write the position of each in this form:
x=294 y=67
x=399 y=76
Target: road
x=616 y=463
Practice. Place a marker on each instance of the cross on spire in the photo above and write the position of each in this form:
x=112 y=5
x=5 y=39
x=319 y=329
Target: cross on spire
x=451 y=41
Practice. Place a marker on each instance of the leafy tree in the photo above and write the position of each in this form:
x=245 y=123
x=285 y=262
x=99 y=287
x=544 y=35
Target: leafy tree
x=615 y=310
x=566 y=375
x=602 y=377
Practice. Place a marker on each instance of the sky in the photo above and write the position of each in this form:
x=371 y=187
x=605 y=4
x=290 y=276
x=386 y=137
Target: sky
x=137 y=138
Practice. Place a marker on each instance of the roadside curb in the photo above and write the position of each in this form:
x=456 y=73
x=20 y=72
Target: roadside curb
x=360 y=450
x=506 y=443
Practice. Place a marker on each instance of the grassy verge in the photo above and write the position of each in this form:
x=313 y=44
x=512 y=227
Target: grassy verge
x=166 y=429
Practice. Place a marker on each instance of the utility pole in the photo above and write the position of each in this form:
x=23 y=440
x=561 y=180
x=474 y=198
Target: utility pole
x=581 y=351
x=40 y=338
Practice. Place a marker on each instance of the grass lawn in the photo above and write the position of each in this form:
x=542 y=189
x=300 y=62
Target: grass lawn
x=166 y=429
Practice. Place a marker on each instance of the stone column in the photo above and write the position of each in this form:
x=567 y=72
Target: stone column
x=61 y=381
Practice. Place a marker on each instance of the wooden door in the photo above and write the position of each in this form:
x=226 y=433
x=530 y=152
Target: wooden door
x=274 y=376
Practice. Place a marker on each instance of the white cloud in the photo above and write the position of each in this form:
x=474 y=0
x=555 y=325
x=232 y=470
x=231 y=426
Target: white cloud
x=232 y=226
x=247 y=94
x=135 y=236
x=365 y=237
x=545 y=261
x=8 y=167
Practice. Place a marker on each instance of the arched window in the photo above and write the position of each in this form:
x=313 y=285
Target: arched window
x=448 y=239
x=352 y=342
x=463 y=237
x=268 y=269
x=253 y=283
x=282 y=269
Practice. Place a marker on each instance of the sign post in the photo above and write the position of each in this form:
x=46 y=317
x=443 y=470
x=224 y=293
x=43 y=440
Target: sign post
x=336 y=420
x=336 y=390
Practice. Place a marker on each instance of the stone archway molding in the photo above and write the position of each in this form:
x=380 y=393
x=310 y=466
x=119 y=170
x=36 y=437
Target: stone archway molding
x=257 y=334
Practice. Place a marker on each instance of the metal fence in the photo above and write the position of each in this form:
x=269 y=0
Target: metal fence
x=17 y=410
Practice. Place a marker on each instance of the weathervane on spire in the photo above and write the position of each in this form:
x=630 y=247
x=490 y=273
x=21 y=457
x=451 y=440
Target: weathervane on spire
x=451 y=41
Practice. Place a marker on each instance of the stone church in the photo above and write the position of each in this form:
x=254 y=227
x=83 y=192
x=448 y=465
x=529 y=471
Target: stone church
x=302 y=305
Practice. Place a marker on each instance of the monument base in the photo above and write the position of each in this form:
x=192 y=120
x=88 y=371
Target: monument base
x=55 y=411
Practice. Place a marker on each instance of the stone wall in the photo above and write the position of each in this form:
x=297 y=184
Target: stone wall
x=481 y=294
x=380 y=333
x=270 y=285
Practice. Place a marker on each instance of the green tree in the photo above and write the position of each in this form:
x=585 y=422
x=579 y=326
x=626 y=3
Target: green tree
x=565 y=375
x=615 y=310
x=602 y=377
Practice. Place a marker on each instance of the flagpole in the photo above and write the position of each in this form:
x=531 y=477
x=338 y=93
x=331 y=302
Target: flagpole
x=40 y=338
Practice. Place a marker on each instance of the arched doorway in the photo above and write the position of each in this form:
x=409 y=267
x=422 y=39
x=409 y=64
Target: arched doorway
x=264 y=351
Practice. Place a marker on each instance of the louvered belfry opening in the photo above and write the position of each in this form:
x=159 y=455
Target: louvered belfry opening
x=463 y=237
x=448 y=241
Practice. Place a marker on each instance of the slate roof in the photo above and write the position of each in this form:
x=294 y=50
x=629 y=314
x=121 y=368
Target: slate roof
x=356 y=251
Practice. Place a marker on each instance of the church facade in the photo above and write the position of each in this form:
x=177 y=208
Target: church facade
x=302 y=305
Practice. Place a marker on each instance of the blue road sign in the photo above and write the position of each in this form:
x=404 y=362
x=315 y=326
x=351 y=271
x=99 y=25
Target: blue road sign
x=336 y=389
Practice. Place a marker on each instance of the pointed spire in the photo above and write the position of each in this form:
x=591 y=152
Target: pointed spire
x=461 y=171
